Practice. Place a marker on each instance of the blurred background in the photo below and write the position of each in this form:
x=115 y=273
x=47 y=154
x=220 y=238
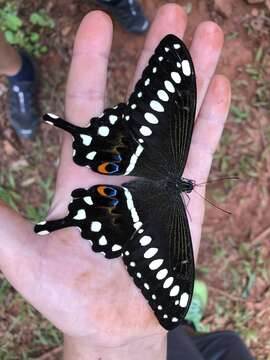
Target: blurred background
x=234 y=256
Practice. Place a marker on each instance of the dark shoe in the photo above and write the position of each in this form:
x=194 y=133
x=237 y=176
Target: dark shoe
x=23 y=108
x=128 y=13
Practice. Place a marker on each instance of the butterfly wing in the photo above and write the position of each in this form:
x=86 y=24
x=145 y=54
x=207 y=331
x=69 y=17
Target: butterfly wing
x=162 y=110
x=166 y=279
x=149 y=136
x=102 y=215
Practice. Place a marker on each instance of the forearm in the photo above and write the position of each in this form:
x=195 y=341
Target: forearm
x=150 y=348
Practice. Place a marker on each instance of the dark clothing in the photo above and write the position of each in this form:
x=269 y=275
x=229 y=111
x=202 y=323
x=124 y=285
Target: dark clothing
x=220 y=345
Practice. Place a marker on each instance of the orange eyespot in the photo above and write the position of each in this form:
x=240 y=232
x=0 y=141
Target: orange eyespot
x=101 y=190
x=102 y=168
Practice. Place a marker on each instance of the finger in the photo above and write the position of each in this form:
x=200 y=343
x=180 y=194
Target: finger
x=17 y=249
x=88 y=71
x=84 y=98
x=208 y=128
x=205 y=51
x=206 y=135
x=170 y=19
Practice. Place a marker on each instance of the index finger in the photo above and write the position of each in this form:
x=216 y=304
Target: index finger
x=84 y=99
x=86 y=84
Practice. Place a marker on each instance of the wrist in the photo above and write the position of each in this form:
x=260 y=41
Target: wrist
x=149 y=348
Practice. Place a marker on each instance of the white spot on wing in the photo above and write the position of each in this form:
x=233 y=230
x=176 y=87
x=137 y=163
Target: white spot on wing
x=145 y=240
x=155 y=264
x=88 y=200
x=102 y=241
x=53 y=116
x=155 y=105
x=91 y=155
x=113 y=119
x=145 y=131
x=176 y=46
x=81 y=215
x=152 y=119
x=169 y=86
x=48 y=122
x=163 y=95
x=150 y=253
x=137 y=225
x=139 y=150
x=134 y=159
x=103 y=131
x=184 y=299
x=147 y=82
x=176 y=77
x=116 y=247
x=162 y=274
x=86 y=139
x=186 y=68
x=95 y=226
x=175 y=290
x=43 y=232
x=168 y=282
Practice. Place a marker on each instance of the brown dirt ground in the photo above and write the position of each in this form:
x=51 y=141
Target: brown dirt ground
x=234 y=257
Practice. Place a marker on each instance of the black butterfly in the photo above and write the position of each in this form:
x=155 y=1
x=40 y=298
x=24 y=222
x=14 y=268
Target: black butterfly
x=144 y=220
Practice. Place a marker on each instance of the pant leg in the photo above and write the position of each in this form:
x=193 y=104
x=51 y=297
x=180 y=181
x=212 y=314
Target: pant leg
x=222 y=345
x=181 y=347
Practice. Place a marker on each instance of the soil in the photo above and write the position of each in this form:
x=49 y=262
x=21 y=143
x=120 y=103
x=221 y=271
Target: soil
x=234 y=255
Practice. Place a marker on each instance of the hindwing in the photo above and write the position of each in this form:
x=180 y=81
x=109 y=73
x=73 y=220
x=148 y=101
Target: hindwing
x=150 y=135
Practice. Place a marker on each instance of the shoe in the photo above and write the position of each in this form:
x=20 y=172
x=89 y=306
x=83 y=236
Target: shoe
x=128 y=13
x=197 y=306
x=22 y=105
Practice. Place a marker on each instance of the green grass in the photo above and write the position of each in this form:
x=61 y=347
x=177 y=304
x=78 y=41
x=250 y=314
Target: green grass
x=25 y=34
x=8 y=191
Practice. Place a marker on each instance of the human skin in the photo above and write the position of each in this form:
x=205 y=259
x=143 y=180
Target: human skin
x=92 y=300
x=10 y=60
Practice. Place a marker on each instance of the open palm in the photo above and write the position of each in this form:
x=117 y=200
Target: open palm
x=79 y=291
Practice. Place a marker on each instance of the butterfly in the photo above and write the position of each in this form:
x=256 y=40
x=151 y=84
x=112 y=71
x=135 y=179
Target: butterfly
x=144 y=220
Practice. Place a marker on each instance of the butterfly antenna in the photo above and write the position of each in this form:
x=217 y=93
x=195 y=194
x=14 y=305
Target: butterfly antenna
x=216 y=180
x=213 y=204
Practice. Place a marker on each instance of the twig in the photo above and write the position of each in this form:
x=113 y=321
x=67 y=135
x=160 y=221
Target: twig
x=261 y=236
x=224 y=293
x=51 y=353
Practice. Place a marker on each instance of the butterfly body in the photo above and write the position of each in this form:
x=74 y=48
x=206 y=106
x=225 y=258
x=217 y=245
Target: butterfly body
x=144 y=220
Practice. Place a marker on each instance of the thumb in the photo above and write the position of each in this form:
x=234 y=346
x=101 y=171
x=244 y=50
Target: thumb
x=18 y=249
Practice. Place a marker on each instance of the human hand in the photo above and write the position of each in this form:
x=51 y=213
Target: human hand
x=92 y=300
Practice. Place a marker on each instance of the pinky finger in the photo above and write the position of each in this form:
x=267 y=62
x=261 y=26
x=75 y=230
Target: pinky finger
x=208 y=129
